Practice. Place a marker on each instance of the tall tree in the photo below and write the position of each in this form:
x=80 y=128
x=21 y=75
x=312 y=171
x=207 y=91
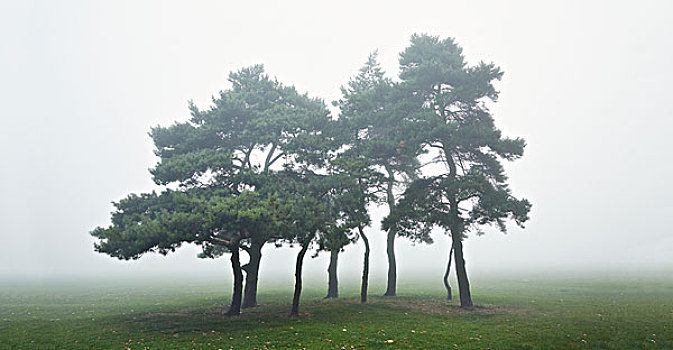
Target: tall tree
x=253 y=128
x=450 y=99
x=381 y=132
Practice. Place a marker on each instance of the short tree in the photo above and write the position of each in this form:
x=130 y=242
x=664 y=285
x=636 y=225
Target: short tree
x=315 y=203
x=216 y=221
x=233 y=219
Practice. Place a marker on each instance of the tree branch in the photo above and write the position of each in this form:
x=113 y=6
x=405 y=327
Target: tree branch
x=221 y=241
x=460 y=162
x=247 y=155
x=276 y=158
x=267 y=162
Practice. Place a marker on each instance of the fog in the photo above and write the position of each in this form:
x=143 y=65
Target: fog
x=586 y=85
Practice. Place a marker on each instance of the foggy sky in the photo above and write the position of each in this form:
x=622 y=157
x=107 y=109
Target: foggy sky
x=586 y=85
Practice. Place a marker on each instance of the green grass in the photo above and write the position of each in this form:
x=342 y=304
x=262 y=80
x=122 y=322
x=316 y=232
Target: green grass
x=510 y=314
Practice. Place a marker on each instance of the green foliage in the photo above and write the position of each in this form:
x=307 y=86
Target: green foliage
x=188 y=167
x=152 y=223
x=375 y=126
x=258 y=114
x=450 y=99
x=224 y=190
x=318 y=206
x=379 y=134
x=243 y=216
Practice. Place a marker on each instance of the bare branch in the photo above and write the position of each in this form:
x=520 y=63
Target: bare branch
x=276 y=158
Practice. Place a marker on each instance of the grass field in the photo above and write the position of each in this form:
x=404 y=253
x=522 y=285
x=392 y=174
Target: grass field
x=537 y=313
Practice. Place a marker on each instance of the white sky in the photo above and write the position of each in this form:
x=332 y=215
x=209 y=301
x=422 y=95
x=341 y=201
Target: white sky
x=586 y=83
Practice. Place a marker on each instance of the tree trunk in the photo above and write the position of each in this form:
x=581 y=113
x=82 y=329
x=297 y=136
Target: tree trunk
x=463 y=282
x=365 y=268
x=297 y=278
x=456 y=227
x=446 y=275
x=333 y=283
x=391 y=289
x=252 y=274
x=235 y=308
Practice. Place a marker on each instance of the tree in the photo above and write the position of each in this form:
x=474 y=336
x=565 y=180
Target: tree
x=253 y=128
x=334 y=245
x=450 y=98
x=216 y=221
x=315 y=203
x=219 y=158
x=354 y=205
x=349 y=202
x=309 y=213
x=237 y=218
x=379 y=133
x=350 y=176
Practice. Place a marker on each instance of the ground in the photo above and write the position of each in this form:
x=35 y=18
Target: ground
x=514 y=313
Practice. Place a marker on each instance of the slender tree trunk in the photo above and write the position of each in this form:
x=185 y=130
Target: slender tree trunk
x=446 y=274
x=297 y=279
x=391 y=288
x=252 y=274
x=333 y=283
x=463 y=282
x=235 y=308
x=365 y=268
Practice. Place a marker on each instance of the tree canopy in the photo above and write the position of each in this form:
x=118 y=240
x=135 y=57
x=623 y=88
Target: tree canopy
x=220 y=166
x=450 y=99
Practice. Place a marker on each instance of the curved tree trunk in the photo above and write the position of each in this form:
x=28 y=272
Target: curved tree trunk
x=235 y=308
x=457 y=238
x=297 y=280
x=252 y=274
x=365 y=268
x=333 y=283
x=463 y=282
x=391 y=288
x=446 y=274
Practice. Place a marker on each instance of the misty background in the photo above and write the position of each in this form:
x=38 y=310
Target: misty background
x=587 y=86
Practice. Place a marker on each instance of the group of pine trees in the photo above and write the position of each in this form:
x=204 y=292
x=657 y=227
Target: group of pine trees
x=266 y=164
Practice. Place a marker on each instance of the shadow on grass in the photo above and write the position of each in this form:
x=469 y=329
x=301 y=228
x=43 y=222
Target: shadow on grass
x=269 y=316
